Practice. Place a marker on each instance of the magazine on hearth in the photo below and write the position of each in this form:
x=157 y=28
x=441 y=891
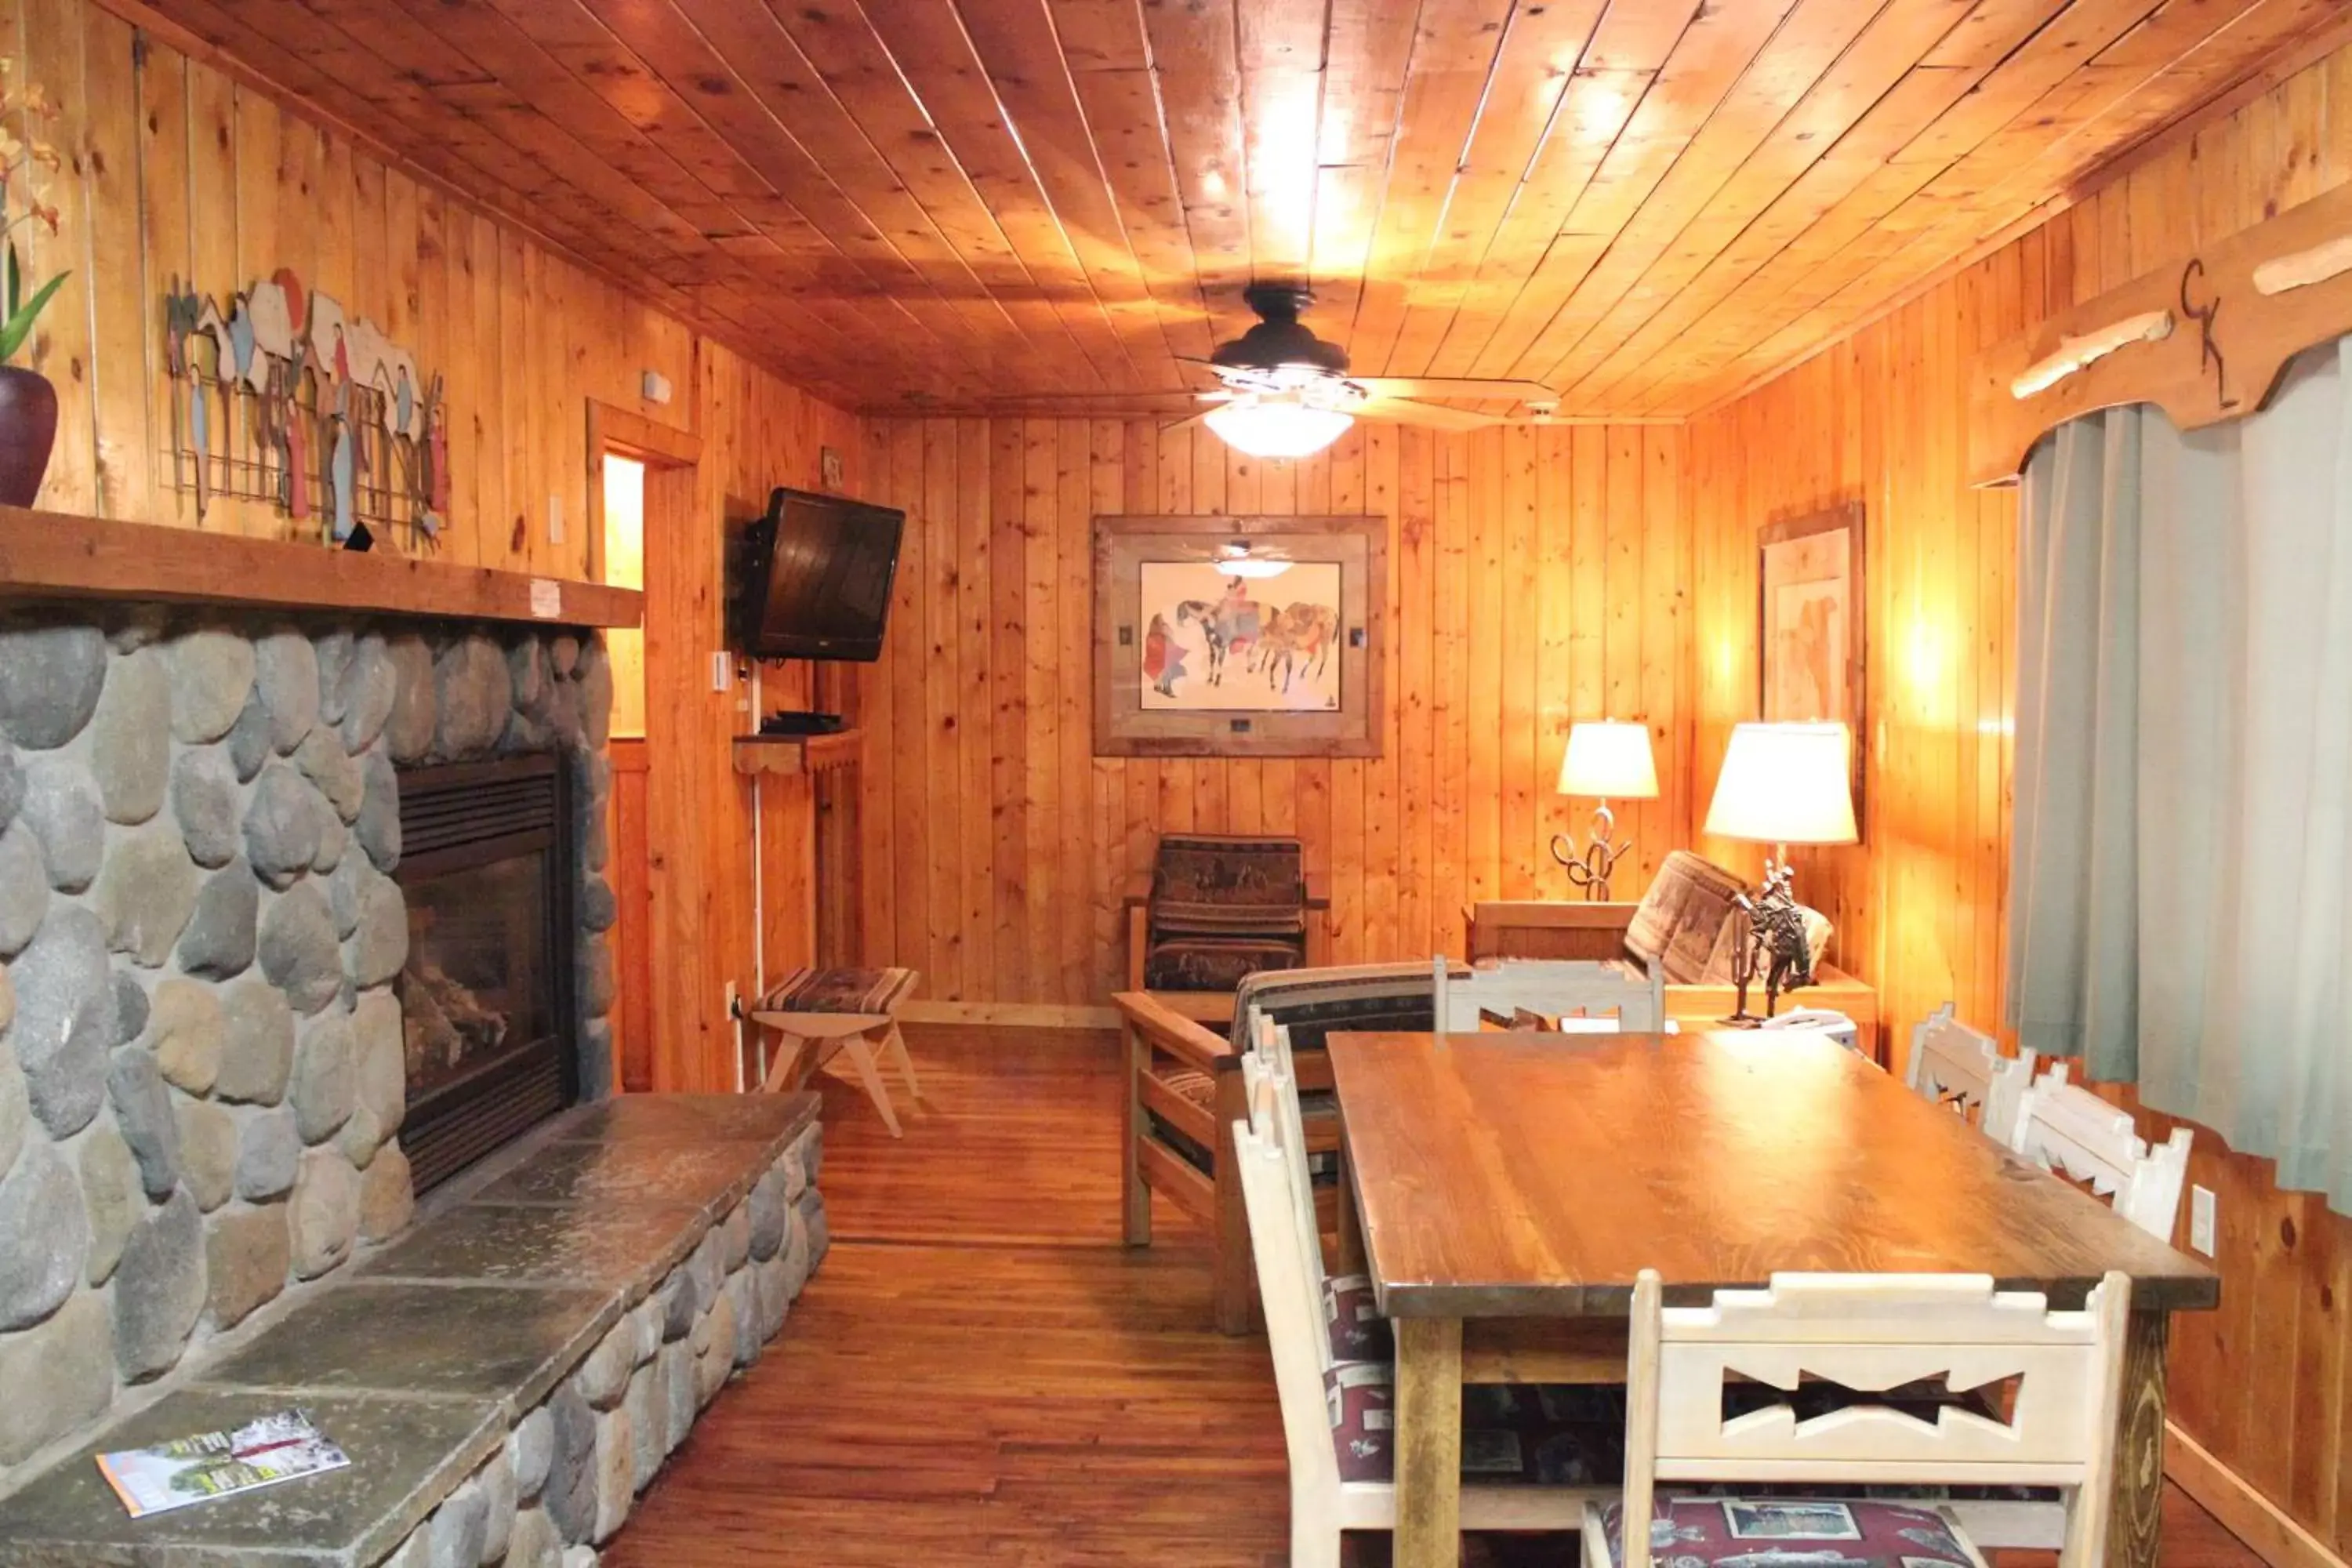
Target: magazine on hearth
x=283 y=1447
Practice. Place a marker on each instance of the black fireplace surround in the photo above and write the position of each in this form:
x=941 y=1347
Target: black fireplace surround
x=486 y=995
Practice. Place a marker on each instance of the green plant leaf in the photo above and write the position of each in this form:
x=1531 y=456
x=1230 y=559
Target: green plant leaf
x=15 y=281
x=19 y=324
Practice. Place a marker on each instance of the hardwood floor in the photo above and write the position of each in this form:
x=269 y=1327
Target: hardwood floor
x=982 y=1375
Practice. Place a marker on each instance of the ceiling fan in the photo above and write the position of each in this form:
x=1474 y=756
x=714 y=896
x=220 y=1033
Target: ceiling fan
x=1287 y=393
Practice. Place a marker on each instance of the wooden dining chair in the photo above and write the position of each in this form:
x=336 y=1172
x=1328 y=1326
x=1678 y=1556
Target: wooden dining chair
x=1335 y=1415
x=1183 y=1090
x=1954 y=1065
x=2063 y=1127
x=1734 y=1391
x=1581 y=996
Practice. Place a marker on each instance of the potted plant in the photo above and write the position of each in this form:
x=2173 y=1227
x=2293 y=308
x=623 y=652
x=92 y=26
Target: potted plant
x=28 y=404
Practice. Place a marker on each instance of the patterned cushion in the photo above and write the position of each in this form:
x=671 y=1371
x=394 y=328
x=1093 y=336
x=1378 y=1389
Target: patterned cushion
x=1312 y=1002
x=1559 y=1437
x=1687 y=924
x=1181 y=1143
x=1679 y=923
x=1790 y=1531
x=1214 y=883
x=1191 y=1083
x=839 y=991
x=1352 y=1316
x=1190 y=963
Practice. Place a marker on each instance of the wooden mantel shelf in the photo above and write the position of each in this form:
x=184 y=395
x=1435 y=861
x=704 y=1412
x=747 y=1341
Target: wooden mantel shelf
x=785 y=755
x=53 y=554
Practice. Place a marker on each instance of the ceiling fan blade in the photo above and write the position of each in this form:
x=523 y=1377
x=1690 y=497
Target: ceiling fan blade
x=1455 y=386
x=1430 y=415
x=1159 y=394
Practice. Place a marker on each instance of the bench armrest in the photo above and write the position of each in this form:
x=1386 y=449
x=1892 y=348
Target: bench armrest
x=1166 y=1029
x=1139 y=891
x=1318 y=890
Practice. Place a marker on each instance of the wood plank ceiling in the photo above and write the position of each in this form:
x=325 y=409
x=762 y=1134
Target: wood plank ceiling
x=931 y=205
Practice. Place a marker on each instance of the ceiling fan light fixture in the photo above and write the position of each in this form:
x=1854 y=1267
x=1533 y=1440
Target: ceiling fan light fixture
x=1238 y=560
x=1277 y=428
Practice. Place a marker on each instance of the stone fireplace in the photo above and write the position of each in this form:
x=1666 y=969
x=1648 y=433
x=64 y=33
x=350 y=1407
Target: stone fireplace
x=296 y=918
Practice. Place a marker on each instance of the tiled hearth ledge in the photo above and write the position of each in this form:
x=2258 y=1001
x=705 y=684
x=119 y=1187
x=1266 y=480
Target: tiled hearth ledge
x=508 y=1373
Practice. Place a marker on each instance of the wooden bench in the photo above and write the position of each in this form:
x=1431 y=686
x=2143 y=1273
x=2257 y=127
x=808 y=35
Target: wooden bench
x=816 y=1014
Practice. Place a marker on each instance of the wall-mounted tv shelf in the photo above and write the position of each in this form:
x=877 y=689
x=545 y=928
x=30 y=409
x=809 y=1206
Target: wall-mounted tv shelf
x=783 y=755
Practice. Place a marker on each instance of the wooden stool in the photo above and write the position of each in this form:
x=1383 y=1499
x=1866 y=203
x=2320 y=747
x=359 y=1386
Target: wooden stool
x=818 y=1012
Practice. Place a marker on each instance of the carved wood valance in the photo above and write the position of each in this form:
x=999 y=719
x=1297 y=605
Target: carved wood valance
x=2205 y=339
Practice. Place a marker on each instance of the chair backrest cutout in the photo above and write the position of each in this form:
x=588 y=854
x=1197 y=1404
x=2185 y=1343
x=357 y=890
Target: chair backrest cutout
x=1702 y=1383
x=1954 y=1065
x=2063 y=1127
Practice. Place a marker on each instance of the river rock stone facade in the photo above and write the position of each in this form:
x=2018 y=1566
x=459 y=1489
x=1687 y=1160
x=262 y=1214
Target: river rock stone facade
x=568 y=1474
x=201 y=1053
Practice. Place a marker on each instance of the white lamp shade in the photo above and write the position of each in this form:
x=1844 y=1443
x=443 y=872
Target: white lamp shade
x=1278 y=426
x=1785 y=784
x=1610 y=761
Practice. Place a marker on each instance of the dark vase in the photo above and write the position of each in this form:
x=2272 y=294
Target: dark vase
x=28 y=428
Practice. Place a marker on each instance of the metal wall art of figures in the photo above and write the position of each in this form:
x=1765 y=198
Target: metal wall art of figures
x=284 y=397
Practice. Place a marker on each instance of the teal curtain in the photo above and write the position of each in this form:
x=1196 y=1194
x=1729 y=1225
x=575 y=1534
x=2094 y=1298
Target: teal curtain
x=2179 y=862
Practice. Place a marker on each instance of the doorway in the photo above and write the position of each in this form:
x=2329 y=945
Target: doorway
x=643 y=486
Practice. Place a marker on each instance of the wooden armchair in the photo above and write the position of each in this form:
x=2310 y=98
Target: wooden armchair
x=1217 y=907
x=1184 y=1093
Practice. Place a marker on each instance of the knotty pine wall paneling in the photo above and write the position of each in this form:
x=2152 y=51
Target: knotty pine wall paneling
x=174 y=170
x=1880 y=417
x=1536 y=576
x=757 y=432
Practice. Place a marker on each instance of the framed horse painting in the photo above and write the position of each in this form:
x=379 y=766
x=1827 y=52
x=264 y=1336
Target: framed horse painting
x=1239 y=636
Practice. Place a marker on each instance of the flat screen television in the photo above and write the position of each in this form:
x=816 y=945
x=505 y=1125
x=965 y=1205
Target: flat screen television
x=813 y=578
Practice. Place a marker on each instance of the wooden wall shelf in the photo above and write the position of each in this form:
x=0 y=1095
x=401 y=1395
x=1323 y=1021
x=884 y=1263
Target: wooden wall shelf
x=783 y=755
x=53 y=555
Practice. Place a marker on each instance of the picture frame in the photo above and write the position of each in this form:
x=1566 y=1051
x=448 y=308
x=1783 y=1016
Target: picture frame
x=1812 y=607
x=1194 y=662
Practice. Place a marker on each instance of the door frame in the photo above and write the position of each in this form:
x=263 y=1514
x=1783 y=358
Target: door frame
x=646 y=1058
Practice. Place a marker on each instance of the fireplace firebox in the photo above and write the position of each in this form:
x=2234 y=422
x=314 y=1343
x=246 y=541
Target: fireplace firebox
x=487 y=996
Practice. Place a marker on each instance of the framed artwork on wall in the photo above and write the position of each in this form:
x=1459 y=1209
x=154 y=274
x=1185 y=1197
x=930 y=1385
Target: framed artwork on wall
x=1812 y=610
x=1239 y=636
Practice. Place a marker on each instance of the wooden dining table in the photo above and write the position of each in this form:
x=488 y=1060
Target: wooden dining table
x=1527 y=1176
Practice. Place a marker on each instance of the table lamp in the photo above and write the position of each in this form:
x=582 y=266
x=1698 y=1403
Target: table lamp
x=1604 y=759
x=1780 y=784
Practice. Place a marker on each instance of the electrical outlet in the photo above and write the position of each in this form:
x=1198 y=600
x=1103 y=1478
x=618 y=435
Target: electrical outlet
x=555 y=520
x=722 y=672
x=735 y=1028
x=2201 y=1219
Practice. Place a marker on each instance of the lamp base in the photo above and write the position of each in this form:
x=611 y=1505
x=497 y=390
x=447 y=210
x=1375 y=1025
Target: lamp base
x=1589 y=869
x=1740 y=1021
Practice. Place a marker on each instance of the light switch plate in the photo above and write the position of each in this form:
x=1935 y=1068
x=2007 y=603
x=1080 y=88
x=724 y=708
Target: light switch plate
x=2201 y=1219
x=555 y=520
x=722 y=672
